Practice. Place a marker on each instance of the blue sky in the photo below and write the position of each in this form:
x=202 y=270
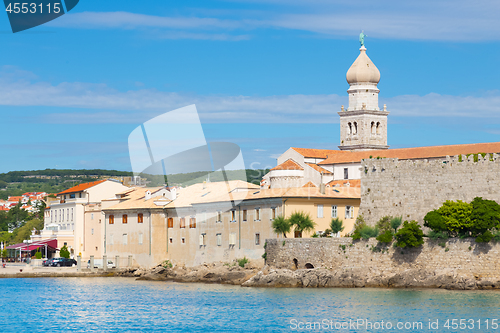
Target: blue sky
x=266 y=75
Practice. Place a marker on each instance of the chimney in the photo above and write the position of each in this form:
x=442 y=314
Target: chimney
x=322 y=188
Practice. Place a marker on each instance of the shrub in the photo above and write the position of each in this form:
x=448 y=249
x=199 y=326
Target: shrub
x=263 y=256
x=281 y=226
x=315 y=235
x=384 y=224
x=442 y=244
x=438 y=235
x=358 y=225
x=434 y=221
x=485 y=215
x=326 y=233
x=167 y=264
x=484 y=237
x=38 y=255
x=243 y=261
x=64 y=253
x=336 y=225
x=385 y=237
x=410 y=235
x=368 y=232
x=496 y=235
x=457 y=216
x=396 y=223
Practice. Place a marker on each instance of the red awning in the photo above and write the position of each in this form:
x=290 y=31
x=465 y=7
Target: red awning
x=52 y=243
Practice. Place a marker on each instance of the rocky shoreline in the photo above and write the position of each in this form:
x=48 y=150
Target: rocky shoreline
x=252 y=276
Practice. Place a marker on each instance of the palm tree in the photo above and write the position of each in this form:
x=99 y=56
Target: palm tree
x=337 y=225
x=281 y=225
x=301 y=222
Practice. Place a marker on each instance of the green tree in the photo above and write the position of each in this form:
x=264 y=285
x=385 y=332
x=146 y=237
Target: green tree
x=301 y=222
x=384 y=224
x=457 y=216
x=38 y=254
x=336 y=225
x=434 y=221
x=64 y=253
x=410 y=235
x=385 y=237
x=396 y=223
x=485 y=216
x=281 y=225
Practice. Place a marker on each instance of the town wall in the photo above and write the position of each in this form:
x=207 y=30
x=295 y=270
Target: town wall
x=461 y=256
x=412 y=188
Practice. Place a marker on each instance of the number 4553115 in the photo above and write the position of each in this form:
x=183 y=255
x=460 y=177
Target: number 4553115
x=33 y=8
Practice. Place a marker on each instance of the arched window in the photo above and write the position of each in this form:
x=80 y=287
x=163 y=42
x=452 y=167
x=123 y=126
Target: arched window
x=349 y=128
x=373 y=128
x=378 y=128
x=355 y=128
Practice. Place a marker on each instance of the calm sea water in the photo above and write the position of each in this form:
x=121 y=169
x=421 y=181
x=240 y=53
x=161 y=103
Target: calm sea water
x=126 y=305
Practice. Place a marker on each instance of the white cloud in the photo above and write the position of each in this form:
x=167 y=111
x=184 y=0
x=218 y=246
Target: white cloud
x=456 y=20
x=98 y=103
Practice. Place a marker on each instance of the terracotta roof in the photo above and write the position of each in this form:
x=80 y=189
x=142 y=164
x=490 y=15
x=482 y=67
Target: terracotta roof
x=310 y=184
x=342 y=182
x=288 y=165
x=320 y=169
x=316 y=153
x=82 y=187
x=414 y=153
x=16 y=199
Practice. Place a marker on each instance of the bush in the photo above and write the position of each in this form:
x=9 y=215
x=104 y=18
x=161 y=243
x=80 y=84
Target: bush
x=368 y=232
x=243 y=261
x=38 y=255
x=167 y=264
x=484 y=237
x=456 y=216
x=396 y=223
x=326 y=233
x=485 y=215
x=438 y=235
x=336 y=225
x=410 y=235
x=384 y=224
x=385 y=237
x=64 y=253
x=358 y=225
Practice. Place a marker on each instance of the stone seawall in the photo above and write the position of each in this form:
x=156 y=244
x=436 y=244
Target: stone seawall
x=339 y=262
x=412 y=188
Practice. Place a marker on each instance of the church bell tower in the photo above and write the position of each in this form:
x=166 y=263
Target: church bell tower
x=363 y=126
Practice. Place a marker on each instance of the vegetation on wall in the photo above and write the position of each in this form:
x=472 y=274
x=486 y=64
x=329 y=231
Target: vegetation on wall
x=410 y=235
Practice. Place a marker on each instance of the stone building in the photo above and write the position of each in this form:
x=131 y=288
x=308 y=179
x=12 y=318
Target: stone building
x=363 y=135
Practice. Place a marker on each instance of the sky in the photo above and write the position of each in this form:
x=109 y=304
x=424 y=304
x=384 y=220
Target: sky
x=265 y=75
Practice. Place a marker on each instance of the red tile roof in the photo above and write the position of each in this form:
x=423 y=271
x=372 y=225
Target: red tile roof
x=288 y=165
x=343 y=182
x=316 y=153
x=414 y=153
x=310 y=184
x=319 y=169
x=82 y=187
x=16 y=199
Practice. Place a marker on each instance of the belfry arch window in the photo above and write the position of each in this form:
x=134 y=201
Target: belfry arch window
x=373 y=128
x=355 y=129
x=349 y=128
x=378 y=128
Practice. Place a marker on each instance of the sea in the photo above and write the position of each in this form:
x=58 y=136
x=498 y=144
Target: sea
x=127 y=305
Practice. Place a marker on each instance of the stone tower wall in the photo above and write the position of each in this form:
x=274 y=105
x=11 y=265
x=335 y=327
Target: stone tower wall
x=412 y=188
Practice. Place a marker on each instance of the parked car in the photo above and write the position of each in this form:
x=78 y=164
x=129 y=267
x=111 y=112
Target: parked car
x=48 y=262
x=62 y=262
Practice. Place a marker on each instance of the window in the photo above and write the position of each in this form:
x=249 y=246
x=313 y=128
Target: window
x=125 y=239
x=72 y=215
x=170 y=240
x=349 y=212
x=378 y=128
x=257 y=239
x=80 y=194
x=355 y=128
x=244 y=215
x=219 y=239
x=232 y=239
x=334 y=211
x=273 y=213
x=219 y=217
x=124 y=219
x=92 y=231
x=91 y=215
x=170 y=222
x=111 y=219
x=182 y=222
x=349 y=128
x=141 y=238
x=346 y=173
x=202 y=240
x=257 y=214
x=51 y=217
x=111 y=241
x=61 y=215
x=183 y=240
x=298 y=234
x=140 y=218
x=320 y=211
x=67 y=214
x=233 y=216
x=192 y=222
x=71 y=196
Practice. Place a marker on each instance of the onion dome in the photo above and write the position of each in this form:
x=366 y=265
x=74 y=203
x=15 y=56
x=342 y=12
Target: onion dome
x=363 y=70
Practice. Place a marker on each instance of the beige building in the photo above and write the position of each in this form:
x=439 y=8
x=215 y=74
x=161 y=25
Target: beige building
x=74 y=219
x=212 y=222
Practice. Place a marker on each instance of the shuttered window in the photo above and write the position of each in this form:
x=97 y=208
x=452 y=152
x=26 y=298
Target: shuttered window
x=192 y=222
x=140 y=218
x=111 y=219
x=182 y=222
x=124 y=219
x=170 y=222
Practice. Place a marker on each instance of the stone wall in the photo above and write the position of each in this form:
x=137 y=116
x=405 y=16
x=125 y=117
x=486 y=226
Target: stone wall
x=463 y=257
x=412 y=188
